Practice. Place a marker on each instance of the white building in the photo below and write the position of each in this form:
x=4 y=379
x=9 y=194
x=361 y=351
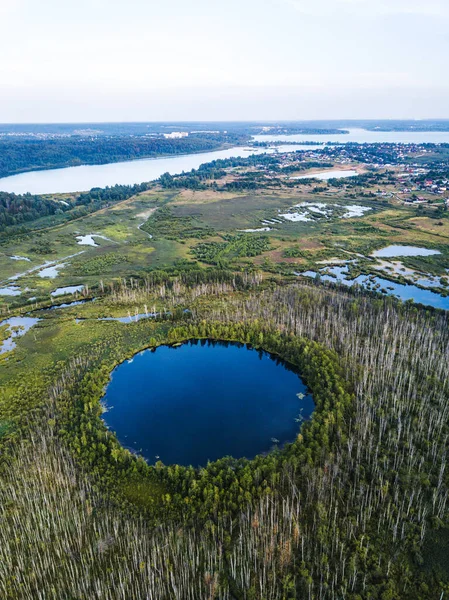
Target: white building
x=176 y=134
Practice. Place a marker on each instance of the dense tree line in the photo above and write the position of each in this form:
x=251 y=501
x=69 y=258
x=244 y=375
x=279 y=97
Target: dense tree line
x=199 y=179
x=17 y=210
x=18 y=154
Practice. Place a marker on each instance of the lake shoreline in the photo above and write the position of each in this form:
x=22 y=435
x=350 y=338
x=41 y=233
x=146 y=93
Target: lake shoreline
x=119 y=161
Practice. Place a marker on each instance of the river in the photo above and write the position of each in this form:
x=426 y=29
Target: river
x=86 y=177
x=362 y=136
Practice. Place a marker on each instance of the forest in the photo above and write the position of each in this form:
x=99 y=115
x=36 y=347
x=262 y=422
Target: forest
x=17 y=210
x=356 y=507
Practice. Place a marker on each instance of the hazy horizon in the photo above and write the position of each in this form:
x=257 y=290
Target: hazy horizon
x=110 y=61
x=211 y=121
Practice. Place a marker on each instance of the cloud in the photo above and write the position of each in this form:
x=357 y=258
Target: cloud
x=371 y=8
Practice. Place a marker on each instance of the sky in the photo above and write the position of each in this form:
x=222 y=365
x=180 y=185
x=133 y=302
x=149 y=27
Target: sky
x=152 y=60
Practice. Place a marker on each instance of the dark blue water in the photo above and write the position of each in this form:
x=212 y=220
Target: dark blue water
x=204 y=400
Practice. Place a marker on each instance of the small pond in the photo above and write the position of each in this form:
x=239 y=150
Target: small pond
x=260 y=230
x=51 y=272
x=70 y=289
x=326 y=175
x=392 y=251
x=204 y=400
x=19 y=258
x=11 y=290
x=88 y=240
x=310 y=211
x=130 y=318
x=17 y=326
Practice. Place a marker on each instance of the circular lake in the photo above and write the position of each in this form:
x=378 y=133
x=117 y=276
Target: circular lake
x=204 y=400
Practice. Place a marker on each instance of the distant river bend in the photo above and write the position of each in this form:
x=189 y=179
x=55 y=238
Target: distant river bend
x=85 y=177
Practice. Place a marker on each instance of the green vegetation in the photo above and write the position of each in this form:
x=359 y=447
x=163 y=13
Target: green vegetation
x=4 y=332
x=293 y=252
x=163 y=223
x=42 y=247
x=17 y=210
x=218 y=253
x=99 y=264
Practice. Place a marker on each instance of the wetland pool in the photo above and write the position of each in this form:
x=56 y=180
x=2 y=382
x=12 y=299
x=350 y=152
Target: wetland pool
x=396 y=251
x=17 y=326
x=375 y=284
